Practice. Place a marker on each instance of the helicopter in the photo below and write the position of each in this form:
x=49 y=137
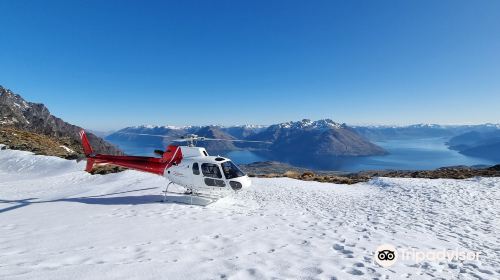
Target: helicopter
x=188 y=166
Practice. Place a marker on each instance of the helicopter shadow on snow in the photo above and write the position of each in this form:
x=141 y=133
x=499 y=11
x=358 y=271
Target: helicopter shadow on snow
x=141 y=199
x=111 y=199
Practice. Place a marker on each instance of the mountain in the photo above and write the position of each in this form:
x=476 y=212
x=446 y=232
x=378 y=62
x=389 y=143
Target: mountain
x=420 y=131
x=17 y=113
x=135 y=140
x=473 y=139
x=416 y=131
x=144 y=136
x=217 y=133
x=100 y=133
x=243 y=131
x=322 y=138
x=489 y=151
x=485 y=144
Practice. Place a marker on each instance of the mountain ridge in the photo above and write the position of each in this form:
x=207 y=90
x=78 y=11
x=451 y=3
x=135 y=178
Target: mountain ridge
x=20 y=114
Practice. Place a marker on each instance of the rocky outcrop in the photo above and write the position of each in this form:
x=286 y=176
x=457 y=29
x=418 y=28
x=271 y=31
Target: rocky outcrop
x=40 y=144
x=17 y=113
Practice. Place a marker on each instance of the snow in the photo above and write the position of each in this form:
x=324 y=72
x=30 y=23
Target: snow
x=250 y=126
x=149 y=126
x=58 y=222
x=67 y=149
x=306 y=123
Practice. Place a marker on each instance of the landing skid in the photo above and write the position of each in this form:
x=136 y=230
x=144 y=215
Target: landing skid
x=190 y=198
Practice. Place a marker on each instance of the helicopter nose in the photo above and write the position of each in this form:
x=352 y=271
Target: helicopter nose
x=245 y=181
x=240 y=183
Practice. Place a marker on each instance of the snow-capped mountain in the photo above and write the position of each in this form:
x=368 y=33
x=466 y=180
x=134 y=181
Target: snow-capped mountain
x=35 y=117
x=162 y=127
x=310 y=139
x=308 y=124
x=13 y=108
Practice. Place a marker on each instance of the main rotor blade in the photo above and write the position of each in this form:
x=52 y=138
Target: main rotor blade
x=184 y=140
x=195 y=139
x=145 y=134
x=232 y=140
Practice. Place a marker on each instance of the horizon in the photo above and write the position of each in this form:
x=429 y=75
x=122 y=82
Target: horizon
x=116 y=64
x=266 y=125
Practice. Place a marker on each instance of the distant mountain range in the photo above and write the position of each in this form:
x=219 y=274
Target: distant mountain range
x=306 y=138
x=481 y=140
x=312 y=140
x=416 y=131
x=15 y=112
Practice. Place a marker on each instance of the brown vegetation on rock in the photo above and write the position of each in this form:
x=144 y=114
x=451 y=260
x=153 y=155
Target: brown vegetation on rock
x=106 y=169
x=40 y=144
x=353 y=178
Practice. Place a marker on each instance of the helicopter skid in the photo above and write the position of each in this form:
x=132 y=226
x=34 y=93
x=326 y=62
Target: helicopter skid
x=193 y=198
x=189 y=199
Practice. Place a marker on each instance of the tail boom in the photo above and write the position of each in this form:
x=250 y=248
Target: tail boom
x=146 y=164
x=154 y=165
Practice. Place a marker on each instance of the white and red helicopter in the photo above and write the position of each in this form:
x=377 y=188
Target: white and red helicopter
x=188 y=166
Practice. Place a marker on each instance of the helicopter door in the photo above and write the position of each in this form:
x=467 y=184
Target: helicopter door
x=212 y=177
x=197 y=180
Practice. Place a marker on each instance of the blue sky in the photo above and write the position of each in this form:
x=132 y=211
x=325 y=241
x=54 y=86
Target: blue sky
x=110 y=64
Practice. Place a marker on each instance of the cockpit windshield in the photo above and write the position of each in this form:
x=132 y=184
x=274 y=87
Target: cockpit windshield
x=231 y=170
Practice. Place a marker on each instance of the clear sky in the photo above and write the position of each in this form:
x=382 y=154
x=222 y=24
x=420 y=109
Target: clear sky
x=110 y=64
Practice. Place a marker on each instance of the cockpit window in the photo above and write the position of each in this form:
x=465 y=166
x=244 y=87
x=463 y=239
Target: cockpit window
x=231 y=170
x=211 y=170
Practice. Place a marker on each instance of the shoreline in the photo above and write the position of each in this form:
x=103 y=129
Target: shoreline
x=278 y=170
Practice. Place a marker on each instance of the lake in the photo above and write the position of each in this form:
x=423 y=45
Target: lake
x=404 y=154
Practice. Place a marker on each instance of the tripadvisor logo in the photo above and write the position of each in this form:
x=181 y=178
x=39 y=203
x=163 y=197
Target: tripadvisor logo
x=385 y=255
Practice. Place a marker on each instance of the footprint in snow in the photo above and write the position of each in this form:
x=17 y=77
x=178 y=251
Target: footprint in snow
x=338 y=247
x=355 y=272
